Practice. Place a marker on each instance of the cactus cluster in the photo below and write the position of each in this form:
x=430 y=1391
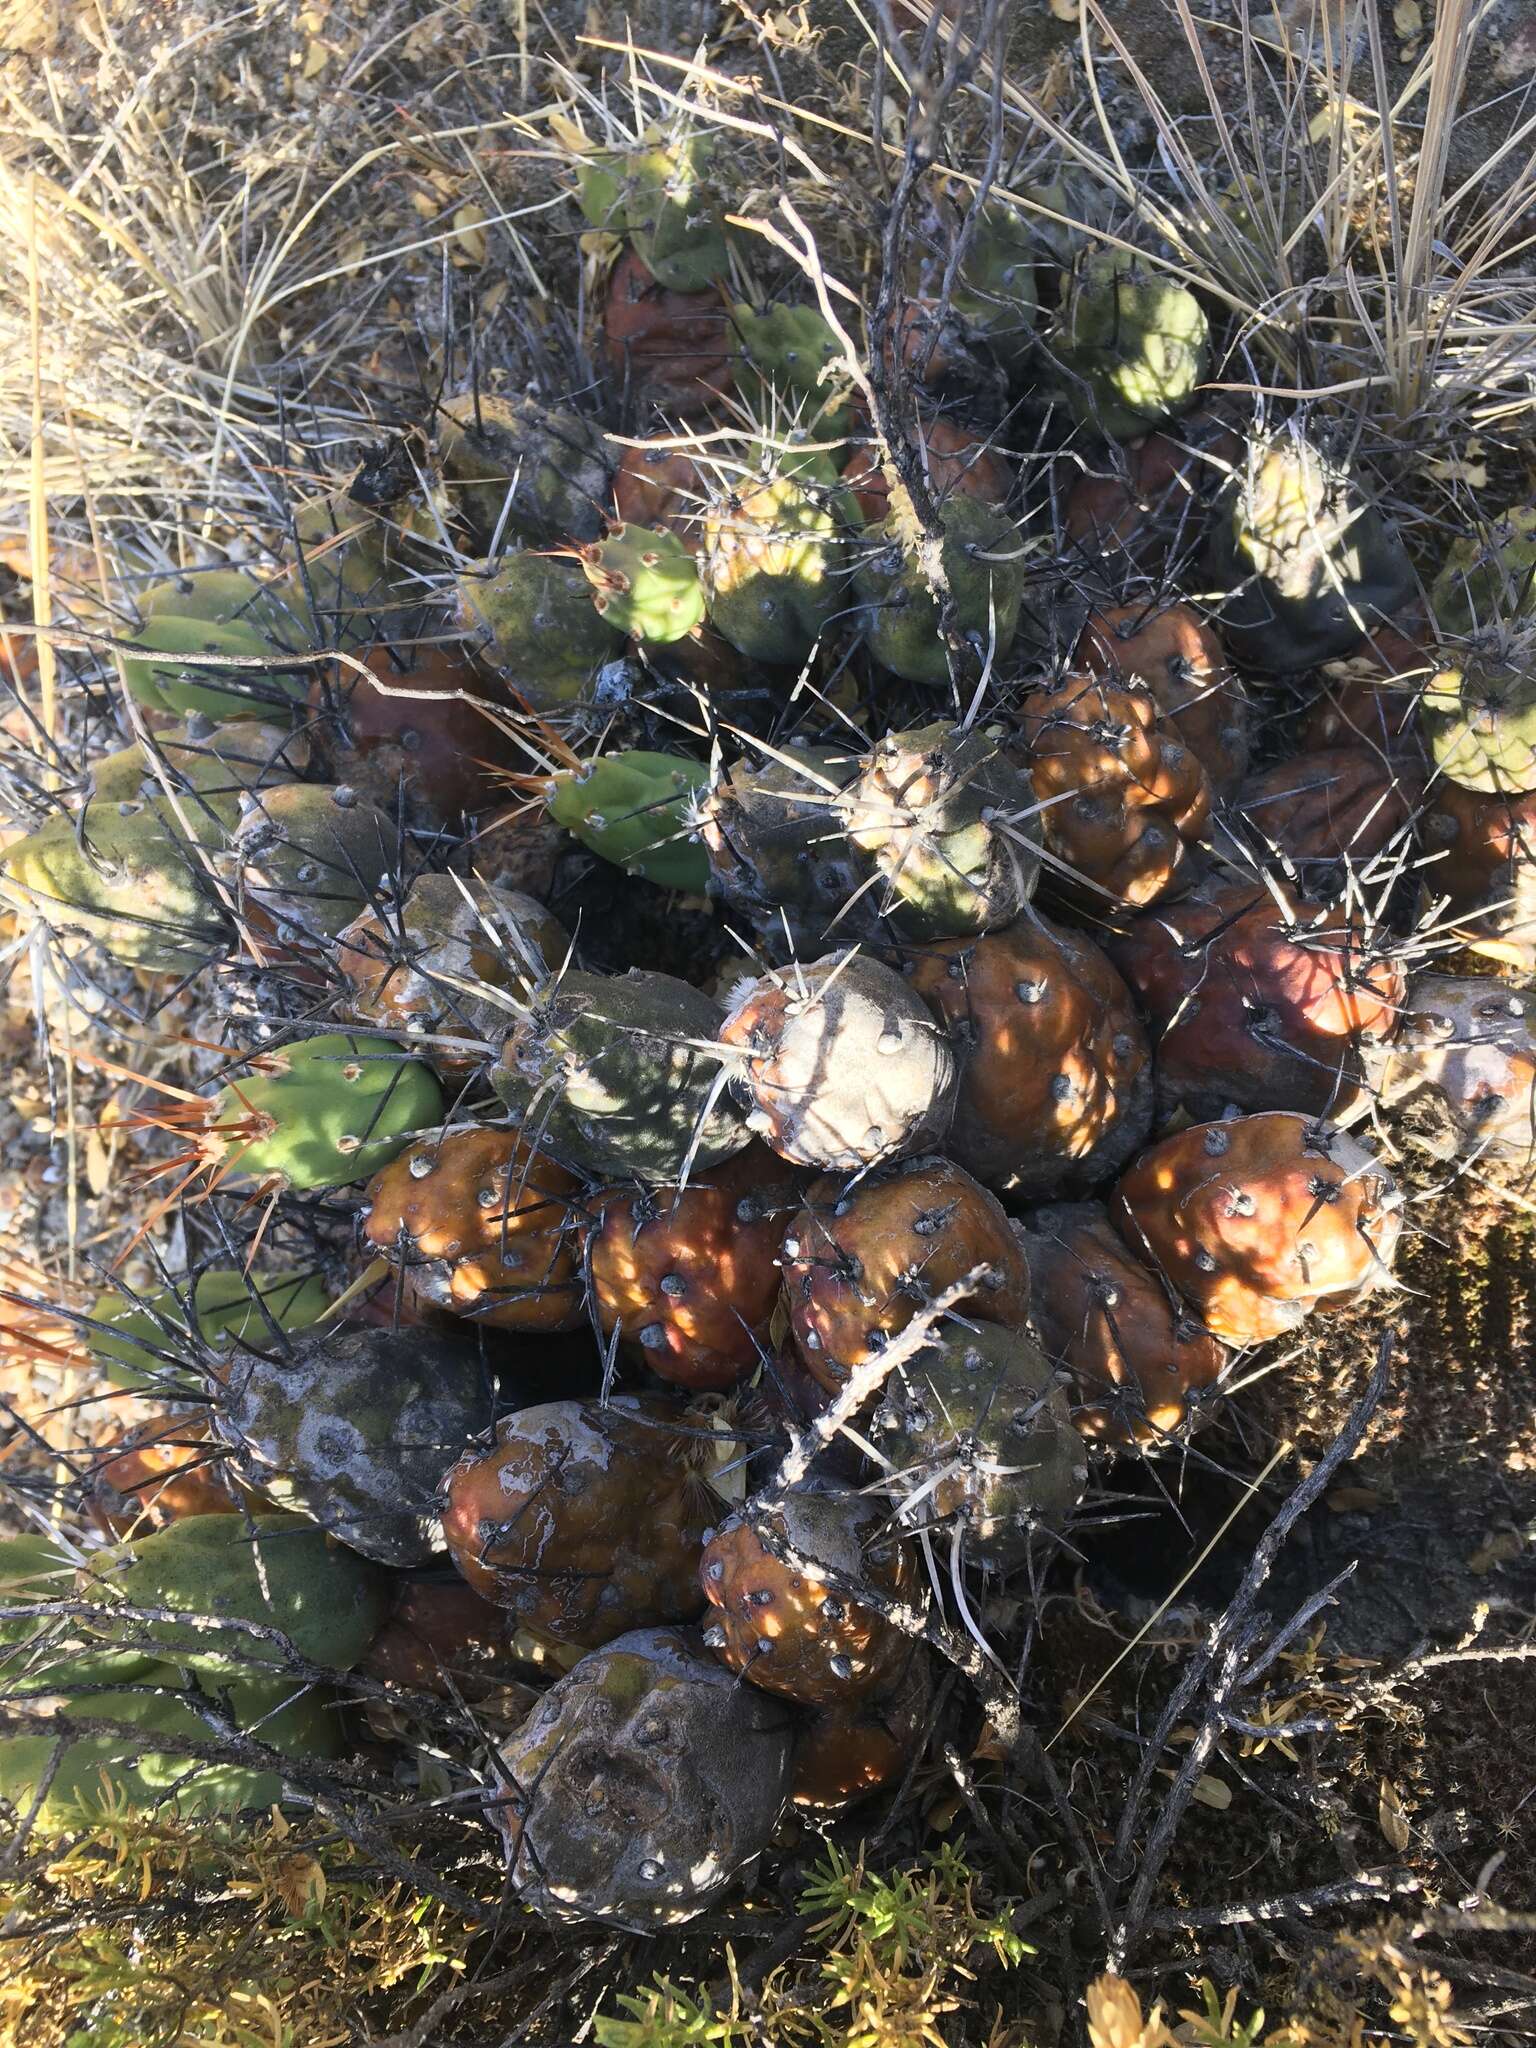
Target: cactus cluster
x=760 y=1004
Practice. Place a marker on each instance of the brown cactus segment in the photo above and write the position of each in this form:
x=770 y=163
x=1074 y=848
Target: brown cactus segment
x=670 y=348
x=1261 y=1220
x=797 y=1630
x=860 y=1262
x=842 y=1066
x=955 y=460
x=1153 y=504
x=661 y=487
x=1261 y=1000
x=1473 y=1042
x=1134 y=1351
x=645 y=1782
x=413 y=723
x=161 y=1471
x=841 y=1758
x=1371 y=697
x=587 y=1518
x=1122 y=796
x=690 y=1275
x=1055 y=1069
x=1336 y=803
x=1182 y=662
x=1480 y=854
x=485 y=1226
x=443 y=1639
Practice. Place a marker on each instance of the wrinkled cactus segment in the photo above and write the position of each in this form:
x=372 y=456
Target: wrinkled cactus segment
x=134 y=877
x=944 y=816
x=1480 y=717
x=636 y=810
x=645 y=583
x=982 y=567
x=535 y=623
x=1130 y=349
x=839 y=1065
x=1488 y=579
x=230 y=618
x=149 y=1344
x=255 y=1595
x=353 y=1429
x=618 y=1075
x=103 y=1771
x=792 y=361
x=1472 y=1044
x=544 y=1523
x=646 y=1782
x=516 y=471
x=772 y=570
x=979 y=1436
x=659 y=196
x=1260 y=1220
x=778 y=852
x=451 y=966
x=1305 y=564
x=323 y=1112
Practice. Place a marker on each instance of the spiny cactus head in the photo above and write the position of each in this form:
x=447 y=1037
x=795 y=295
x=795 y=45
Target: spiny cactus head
x=535 y=624
x=1480 y=715
x=790 y=353
x=1132 y=345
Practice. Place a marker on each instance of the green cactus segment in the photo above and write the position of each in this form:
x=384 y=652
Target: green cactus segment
x=537 y=626
x=994 y=291
x=613 y=1076
x=659 y=196
x=1481 y=718
x=524 y=471
x=984 y=567
x=1132 y=345
x=772 y=571
x=222 y=613
x=325 y=1112
x=42 y=1653
x=788 y=353
x=635 y=809
x=305 y=861
x=645 y=583
x=126 y=875
x=355 y=1428
x=364 y=558
x=137 y=1343
x=244 y=1584
x=101 y=1772
x=932 y=809
x=1305 y=564
x=981 y=1435
x=1488 y=579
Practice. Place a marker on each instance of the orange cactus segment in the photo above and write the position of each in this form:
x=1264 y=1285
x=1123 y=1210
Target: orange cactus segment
x=486 y=1227
x=1181 y=661
x=1122 y=795
x=793 y=1627
x=1260 y=1220
x=860 y=1263
x=690 y=1276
